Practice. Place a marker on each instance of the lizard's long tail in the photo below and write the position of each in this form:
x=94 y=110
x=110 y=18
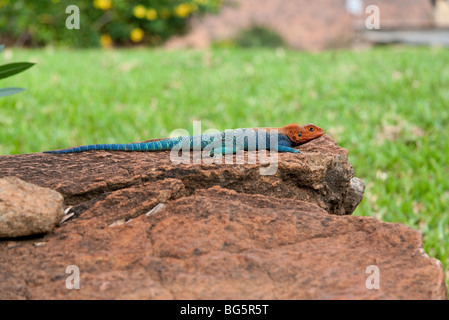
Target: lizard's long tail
x=160 y=145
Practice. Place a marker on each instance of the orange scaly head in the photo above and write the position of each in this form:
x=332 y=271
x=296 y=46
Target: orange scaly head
x=301 y=134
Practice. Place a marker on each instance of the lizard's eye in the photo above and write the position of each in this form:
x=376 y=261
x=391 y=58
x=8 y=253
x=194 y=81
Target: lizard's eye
x=311 y=129
x=300 y=134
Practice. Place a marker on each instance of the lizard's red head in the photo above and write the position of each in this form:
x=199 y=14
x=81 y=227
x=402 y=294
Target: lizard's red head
x=302 y=134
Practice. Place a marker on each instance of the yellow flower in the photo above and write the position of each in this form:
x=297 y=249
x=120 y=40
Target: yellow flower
x=106 y=41
x=183 y=10
x=151 y=14
x=3 y=3
x=137 y=35
x=103 y=4
x=140 y=11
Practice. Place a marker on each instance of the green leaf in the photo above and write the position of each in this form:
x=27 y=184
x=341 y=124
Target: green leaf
x=10 y=69
x=9 y=91
x=2 y=46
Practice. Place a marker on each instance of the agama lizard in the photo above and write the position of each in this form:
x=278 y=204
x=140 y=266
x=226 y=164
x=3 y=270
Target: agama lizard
x=288 y=137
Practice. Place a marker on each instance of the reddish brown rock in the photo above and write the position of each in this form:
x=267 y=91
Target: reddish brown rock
x=144 y=228
x=221 y=244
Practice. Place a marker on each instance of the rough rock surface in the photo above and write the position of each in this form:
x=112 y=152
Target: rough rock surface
x=147 y=229
x=27 y=209
x=220 y=244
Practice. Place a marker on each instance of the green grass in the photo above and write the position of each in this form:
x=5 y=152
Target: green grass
x=389 y=107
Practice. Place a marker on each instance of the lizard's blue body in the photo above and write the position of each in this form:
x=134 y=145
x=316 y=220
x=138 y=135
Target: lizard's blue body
x=221 y=143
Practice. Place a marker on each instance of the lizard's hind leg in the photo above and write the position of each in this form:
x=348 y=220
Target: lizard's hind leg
x=287 y=149
x=223 y=151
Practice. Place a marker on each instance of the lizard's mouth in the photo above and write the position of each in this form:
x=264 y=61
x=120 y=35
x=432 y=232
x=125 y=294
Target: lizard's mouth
x=309 y=137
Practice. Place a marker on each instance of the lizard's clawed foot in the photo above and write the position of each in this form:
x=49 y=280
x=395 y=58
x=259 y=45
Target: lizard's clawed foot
x=223 y=151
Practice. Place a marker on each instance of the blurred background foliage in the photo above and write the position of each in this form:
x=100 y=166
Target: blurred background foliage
x=103 y=22
x=254 y=37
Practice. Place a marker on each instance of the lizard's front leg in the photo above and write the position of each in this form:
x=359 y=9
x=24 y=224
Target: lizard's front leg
x=287 y=149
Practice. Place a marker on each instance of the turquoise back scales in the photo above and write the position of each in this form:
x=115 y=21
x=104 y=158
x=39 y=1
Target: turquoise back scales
x=239 y=136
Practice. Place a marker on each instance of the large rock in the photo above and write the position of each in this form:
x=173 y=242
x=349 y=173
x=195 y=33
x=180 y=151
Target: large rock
x=27 y=209
x=220 y=244
x=146 y=228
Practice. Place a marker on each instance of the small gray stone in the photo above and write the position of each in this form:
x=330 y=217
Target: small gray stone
x=354 y=196
x=27 y=209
